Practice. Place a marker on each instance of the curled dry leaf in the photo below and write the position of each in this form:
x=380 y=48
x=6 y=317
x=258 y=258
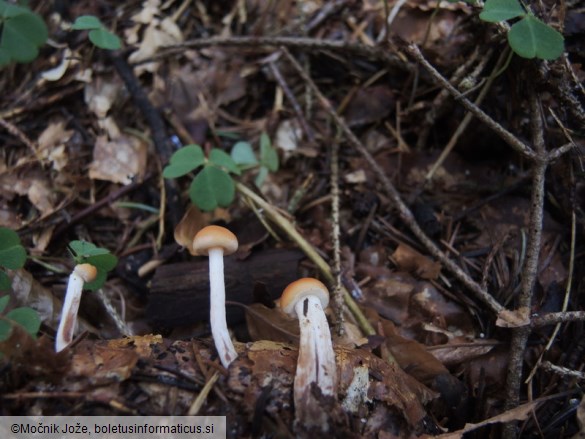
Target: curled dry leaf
x=412 y=356
x=193 y=220
x=461 y=351
x=158 y=33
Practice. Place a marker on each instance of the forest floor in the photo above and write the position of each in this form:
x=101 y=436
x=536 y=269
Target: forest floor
x=398 y=151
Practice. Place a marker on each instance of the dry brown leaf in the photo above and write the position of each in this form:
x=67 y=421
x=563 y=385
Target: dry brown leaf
x=391 y=296
x=34 y=184
x=408 y=259
x=460 y=352
x=271 y=324
x=103 y=364
x=41 y=196
x=412 y=356
x=120 y=160
x=100 y=95
x=51 y=144
x=141 y=344
x=193 y=221
x=370 y=105
x=158 y=33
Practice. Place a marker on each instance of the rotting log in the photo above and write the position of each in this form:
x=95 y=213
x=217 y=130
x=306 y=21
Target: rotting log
x=179 y=293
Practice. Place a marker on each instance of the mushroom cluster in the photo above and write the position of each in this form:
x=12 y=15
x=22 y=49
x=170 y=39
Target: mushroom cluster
x=215 y=242
x=306 y=299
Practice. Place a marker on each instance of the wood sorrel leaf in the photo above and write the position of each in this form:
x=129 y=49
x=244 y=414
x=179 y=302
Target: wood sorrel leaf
x=268 y=155
x=12 y=254
x=211 y=188
x=183 y=161
x=104 y=39
x=500 y=10
x=243 y=154
x=531 y=38
x=223 y=160
x=86 y=22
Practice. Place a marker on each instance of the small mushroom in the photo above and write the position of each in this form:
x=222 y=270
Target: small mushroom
x=81 y=274
x=306 y=298
x=215 y=241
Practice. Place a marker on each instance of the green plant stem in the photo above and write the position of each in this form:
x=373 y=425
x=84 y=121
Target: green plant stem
x=311 y=253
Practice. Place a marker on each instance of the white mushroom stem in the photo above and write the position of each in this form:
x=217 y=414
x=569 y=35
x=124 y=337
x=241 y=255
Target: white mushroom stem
x=221 y=337
x=81 y=273
x=316 y=361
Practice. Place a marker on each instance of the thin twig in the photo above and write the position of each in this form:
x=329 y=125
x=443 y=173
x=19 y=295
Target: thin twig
x=17 y=132
x=557 y=317
x=307 y=44
x=567 y=295
x=438 y=106
x=506 y=135
x=530 y=271
x=547 y=365
x=293 y=101
x=335 y=232
x=404 y=212
x=90 y=210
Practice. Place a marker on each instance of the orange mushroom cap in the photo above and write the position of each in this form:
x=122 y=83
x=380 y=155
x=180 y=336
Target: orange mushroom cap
x=298 y=290
x=214 y=237
x=86 y=271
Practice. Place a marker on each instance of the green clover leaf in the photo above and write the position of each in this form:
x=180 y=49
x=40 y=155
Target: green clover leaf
x=3 y=302
x=211 y=188
x=23 y=32
x=268 y=155
x=12 y=254
x=223 y=160
x=27 y=318
x=243 y=154
x=87 y=22
x=104 y=39
x=183 y=161
x=531 y=38
x=500 y=10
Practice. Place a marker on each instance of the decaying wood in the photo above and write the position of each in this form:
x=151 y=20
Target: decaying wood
x=179 y=294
